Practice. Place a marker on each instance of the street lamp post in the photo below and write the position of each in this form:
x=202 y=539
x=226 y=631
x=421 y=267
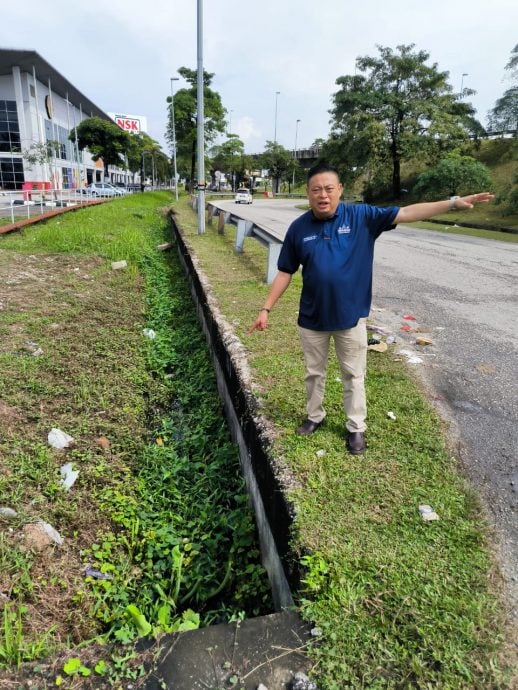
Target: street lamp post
x=275 y=128
x=174 y=137
x=464 y=74
x=295 y=152
x=229 y=122
x=200 y=124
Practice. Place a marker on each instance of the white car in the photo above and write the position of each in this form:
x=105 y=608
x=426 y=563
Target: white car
x=102 y=189
x=243 y=196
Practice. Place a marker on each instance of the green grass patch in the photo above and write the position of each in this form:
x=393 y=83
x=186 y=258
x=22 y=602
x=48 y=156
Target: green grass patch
x=159 y=512
x=401 y=603
x=469 y=232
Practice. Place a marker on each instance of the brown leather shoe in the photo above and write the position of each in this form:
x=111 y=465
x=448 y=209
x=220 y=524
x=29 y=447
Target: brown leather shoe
x=308 y=427
x=355 y=442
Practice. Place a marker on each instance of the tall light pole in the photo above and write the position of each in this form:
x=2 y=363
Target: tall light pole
x=275 y=129
x=173 y=79
x=464 y=74
x=229 y=122
x=295 y=151
x=200 y=122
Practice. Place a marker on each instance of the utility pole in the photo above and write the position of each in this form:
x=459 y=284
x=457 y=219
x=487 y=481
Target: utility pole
x=295 y=151
x=200 y=121
x=174 y=137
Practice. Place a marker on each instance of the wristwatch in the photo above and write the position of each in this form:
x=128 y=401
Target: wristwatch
x=453 y=202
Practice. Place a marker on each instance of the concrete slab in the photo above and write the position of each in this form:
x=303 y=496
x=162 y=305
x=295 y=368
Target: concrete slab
x=238 y=656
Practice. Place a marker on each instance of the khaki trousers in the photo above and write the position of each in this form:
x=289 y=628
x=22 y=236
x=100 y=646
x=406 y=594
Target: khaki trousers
x=351 y=351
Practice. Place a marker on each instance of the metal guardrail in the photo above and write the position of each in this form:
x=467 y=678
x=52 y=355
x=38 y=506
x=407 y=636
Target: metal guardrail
x=245 y=228
x=18 y=205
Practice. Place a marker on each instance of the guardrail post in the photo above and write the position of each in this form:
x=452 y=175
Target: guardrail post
x=240 y=235
x=221 y=223
x=273 y=256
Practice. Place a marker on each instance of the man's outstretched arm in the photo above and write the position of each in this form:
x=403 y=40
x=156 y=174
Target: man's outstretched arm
x=415 y=212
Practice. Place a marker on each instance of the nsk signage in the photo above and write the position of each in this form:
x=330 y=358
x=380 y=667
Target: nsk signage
x=130 y=123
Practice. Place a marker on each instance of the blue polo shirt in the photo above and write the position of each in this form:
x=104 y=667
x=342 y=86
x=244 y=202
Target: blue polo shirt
x=336 y=255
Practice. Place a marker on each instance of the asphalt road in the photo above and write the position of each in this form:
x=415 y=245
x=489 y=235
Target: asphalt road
x=463 y=292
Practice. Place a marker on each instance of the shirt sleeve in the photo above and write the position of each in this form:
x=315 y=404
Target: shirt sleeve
x=289 y=260
x=380 y=219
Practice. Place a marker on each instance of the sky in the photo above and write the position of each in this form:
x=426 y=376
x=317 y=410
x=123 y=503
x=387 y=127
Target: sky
x=122 y=53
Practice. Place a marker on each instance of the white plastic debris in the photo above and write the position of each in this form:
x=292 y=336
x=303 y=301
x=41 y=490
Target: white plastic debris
x=118 y=265
x=391 y=415
x=428 y=513
x=69 y=476
x=7 y=512
x=59 y=439
x=149 y=333
x=50 y=532
x=412 y=358
x=37 y=352
x=320 y=453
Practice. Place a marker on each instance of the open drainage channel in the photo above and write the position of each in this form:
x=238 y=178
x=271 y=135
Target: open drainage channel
x=266 y=651
x=242 y=654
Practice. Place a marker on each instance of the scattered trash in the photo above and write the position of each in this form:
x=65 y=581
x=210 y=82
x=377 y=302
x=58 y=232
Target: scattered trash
x=374 y=340
x=261 y=687
x=320 y=453
x=302 y=682
x=428 y=513
x=59 y=439
x=69 y=476
x=149 y=333
x=408 y=329
x=378 y=329
x=423 y=341
x=165 y=246
x=338 y=379
x=97 y=574
x=390 y=339
x=378 y=309
x=378 y=347
x=39 y=535
x=409 y=317
x=7 y=512
x=391 y=415
x=103 y=442
x=412 y=358
x=118 y=265
x=485 y=368
x=316 y=632
x=37 y=352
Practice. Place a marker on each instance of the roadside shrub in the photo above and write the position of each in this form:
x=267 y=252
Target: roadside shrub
x=453 y=175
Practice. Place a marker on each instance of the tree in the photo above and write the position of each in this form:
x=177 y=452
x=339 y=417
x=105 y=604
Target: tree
x=104 y=139
x=505 y=113
x=279 y=162
x=230 y=159
x=185 y=114
x=454 y=175
x=394 y=108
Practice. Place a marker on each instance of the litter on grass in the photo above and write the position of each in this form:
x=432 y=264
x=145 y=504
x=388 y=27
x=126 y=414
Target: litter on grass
x=6 y=512
x=59 y=439
x=409 y=317
x=428 y=513
x=97 y=574
x=406 y=328
x=118 y=265
x=391 y=415
x=423 y=341
x=68 y=476
x=149 y=333
x=378 y=347
x=320 y=453
x=412 y=358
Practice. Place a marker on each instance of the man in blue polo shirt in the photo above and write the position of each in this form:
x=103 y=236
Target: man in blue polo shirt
x=334 y=244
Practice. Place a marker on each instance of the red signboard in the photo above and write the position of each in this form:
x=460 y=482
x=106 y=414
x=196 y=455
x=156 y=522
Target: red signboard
x=128 y=124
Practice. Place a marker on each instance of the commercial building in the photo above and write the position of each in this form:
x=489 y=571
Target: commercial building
x=37 y=106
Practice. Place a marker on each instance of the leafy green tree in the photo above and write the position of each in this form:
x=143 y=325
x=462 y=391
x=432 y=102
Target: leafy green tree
x=185 y=114
x=455 y=174
x=279 y=162
x=105 y=140
x=394 y=108
x=230 y=159
x=505 y=113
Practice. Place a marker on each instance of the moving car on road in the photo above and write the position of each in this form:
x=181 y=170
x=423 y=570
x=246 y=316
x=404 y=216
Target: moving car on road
x=243 y=196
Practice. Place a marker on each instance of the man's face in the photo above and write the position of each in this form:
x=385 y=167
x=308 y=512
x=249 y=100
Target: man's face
x=324 y=191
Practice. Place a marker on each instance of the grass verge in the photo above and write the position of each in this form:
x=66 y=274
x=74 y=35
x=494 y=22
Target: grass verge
x=157 y=532
x=401 y=603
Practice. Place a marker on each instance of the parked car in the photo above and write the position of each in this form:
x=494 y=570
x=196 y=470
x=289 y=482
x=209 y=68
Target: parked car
x=102 y=189
x=243 y=196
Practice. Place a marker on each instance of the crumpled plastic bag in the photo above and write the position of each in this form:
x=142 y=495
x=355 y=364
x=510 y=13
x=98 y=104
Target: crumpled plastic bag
x=69 y=476
x=59 y=439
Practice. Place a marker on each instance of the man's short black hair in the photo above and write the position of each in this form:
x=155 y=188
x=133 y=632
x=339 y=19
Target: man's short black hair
x=322 y=167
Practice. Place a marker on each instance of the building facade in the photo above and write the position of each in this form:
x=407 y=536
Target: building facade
x=38 y=110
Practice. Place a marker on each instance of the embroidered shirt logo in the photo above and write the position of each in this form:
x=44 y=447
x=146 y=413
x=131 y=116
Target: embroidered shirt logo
x=310 y=237
x=344 y=230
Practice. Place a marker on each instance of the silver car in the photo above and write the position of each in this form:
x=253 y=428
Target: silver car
x=102 y=189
